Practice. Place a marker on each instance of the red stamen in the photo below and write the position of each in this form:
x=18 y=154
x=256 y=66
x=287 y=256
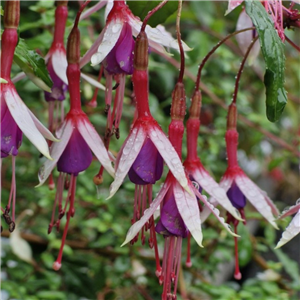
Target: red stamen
x=188 y=262
x=237 y=273
x=57 y=263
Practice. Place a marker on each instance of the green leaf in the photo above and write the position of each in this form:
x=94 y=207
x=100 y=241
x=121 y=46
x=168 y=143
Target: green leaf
x=141 y=9
x=273 y=52
x=33 y=65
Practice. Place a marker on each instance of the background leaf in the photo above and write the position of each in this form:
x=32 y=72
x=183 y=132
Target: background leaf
x=141 y=9
x=33 y=65
x=273 y=52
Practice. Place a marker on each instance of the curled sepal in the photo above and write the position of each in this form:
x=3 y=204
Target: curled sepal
x=291 y=231
x=170 y=156
x=127 y=155
x=188 y=208
x=256 y=197
x=137 y=226
x=290 y=211
x=215 y=191
x=214 y=211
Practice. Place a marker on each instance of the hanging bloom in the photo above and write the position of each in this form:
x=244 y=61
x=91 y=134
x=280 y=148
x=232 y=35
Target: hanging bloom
x=239 y=187
x=193 y=165
x=16 y=118
x=78 y=138
x=119 y=16
x=294 y=227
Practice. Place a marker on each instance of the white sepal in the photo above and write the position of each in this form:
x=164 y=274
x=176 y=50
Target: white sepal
x=137 y=226
x=56 y=151
x=188 y=208
x=95 y=143
x=291 y=231
x=215 y=191
x=256 y=198
x=60 y=64
x=170 y=156
x=127 y=155
x=111 y=35
x=42 y=129
x=22 y=117
x=291 y=210
x=92 y=81
x=214 y=210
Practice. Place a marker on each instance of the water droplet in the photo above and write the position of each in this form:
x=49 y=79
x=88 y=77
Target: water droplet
x=116 y=27
x=159 y=145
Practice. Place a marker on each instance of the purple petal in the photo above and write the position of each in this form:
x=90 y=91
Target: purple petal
x=171 y=220
x=77 y=155
x=59 y=88
x=120 y=58
x=11 y=135
x=236 y=197
x=148 y=166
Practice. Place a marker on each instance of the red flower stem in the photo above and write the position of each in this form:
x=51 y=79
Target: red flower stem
x=292 y=44
x=151 y=13
x=182 y=60
x=9 y=42
x=231 y=138
x=61 y=15
x=237 y=273
x=57 y=263
x=73 y=57
x=212 y=51
x=140 y=76
x=239 y=74
x=193 y=126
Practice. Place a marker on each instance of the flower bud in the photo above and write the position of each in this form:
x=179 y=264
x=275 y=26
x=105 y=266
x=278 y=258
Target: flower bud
x=141 y=52
x=195 y=108
x=12 y=14
x=232 y=116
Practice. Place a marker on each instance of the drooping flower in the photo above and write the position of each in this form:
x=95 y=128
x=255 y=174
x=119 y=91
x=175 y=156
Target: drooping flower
x=239 y=187
x=193 y=164
x=78 y=138
x=293 y=228
x=16 y=118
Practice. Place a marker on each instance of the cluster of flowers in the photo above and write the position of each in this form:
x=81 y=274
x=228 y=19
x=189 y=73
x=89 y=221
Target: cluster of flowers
x=145 y=150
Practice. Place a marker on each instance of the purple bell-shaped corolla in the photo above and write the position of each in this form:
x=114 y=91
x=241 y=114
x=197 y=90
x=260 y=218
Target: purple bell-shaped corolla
x=11 y=135
x=76 y=157
x=120 y=59
x=170 y=222
x=148 y=166
x=59 y=88
x=236 y=196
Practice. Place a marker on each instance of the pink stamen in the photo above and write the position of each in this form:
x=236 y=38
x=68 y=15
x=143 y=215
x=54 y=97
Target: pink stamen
x=237 y=273
x=71 y=193
x=188 y=262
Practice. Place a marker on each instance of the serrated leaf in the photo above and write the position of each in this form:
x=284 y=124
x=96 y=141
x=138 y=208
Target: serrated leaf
x=273 y=51
x=33 y=65
x=141 y=9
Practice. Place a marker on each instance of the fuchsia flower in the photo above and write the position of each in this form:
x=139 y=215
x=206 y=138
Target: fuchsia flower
x=294 y=227
x=78 y=137
x=239 y=187
x=119 y=17
x=16 y=118
x=193 y=165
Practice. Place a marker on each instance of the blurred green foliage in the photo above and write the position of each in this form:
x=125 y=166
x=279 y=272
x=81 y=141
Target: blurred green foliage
x=94 y=265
